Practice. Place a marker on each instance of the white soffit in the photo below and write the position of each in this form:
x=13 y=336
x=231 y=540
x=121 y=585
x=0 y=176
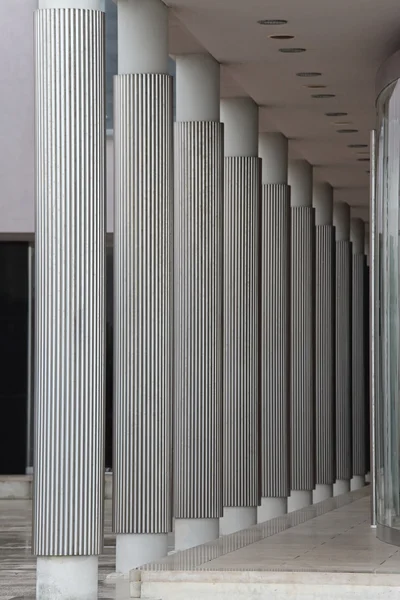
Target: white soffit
x=345 y=41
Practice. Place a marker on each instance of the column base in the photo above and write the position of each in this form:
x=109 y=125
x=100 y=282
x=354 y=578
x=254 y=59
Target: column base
x=357 y=483
x=136 y=549
x=194 y=532
x=342 y=486
x=67 y=578
x=323 y=491
x=271 y=508
x=368 y=477
x=299 y=499
x=237 y=518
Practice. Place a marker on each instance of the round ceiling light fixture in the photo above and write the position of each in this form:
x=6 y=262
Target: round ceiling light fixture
x=357 y=146
x=292 y=50
x=336 y=114
x=347 y=130
x=272 y=22
x=308 y=74
x=322 y=96
x=281 y=37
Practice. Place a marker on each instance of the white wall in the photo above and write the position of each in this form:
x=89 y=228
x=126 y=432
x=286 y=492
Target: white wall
x=16 y=116
x=17 y=123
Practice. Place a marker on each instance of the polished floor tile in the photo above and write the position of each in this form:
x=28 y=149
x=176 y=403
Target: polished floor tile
x=334 y=537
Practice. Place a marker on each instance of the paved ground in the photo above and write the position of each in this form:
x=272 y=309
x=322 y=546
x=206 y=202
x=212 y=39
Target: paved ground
x=317 y=539
x=17 y=565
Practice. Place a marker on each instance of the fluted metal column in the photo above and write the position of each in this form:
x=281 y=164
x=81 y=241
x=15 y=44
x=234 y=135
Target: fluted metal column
x=341 y=221
x=359 y=405
x=70 y=315
x=275 y=327
x=198 y=302
x=240 y=315
x=325 y=472
x=143 y=285
x=302 y=346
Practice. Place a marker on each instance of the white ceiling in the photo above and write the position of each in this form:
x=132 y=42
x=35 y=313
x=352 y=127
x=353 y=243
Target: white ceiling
x=345 y=40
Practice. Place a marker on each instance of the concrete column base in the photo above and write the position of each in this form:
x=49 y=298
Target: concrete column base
x=342 y=486
x=357 y=483
x=67 y=578
x=299 y=499
x=271 y=508
x=322 y=492
x=237 y=518
x=194 y=532
x=136 y=549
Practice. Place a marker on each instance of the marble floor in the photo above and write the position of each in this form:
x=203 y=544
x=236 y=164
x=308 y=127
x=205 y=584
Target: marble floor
x=18 y=566
x=332 y=537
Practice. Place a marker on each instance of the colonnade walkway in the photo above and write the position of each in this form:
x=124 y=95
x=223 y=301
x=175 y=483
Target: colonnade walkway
x=323 y=551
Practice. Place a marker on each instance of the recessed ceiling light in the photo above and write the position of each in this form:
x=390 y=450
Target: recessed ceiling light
x=308 y=74
x=315 y=87
x=272 y=22
x=336 y=114
x=281 y=37
x=292 y=50
x=320 y=96
x=357 y=146
x=347 y=130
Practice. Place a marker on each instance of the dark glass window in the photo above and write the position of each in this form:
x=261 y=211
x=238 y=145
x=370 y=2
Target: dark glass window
x=13 y=356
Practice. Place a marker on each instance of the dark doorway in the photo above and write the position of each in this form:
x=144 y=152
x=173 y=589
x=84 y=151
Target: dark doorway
x=13 y=356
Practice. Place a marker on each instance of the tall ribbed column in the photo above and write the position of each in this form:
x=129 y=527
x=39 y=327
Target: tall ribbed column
x=275 y=327
x=324 y=343
x=240 y=315
x=198 y=302
x=70 y=315
x=357 y=236
x=143 y=285
x=341 y=221
x=302 y=344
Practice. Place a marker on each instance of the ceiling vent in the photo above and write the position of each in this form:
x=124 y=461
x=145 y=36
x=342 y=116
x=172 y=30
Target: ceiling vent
x=272 y=22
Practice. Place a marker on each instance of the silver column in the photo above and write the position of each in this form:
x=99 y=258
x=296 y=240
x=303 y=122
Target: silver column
x=143 y=289
x=359 y=404
x=30 y=363
x=70 y=306
x=341 y=221
x=325 y=472
x=240 y=315
x=275 y=327
x=302 y=346
x=198 y=302
x=372 y=330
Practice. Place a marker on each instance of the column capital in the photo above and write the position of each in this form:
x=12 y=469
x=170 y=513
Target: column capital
x=300 y=179
x=357 y=235
x=68 y=4
x=197 y=88
x=323 y=203
x=341 y=220
x=240 y=119
x=273 y=150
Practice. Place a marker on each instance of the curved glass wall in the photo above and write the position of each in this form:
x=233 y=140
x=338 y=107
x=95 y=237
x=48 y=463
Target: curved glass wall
x=387 y=315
